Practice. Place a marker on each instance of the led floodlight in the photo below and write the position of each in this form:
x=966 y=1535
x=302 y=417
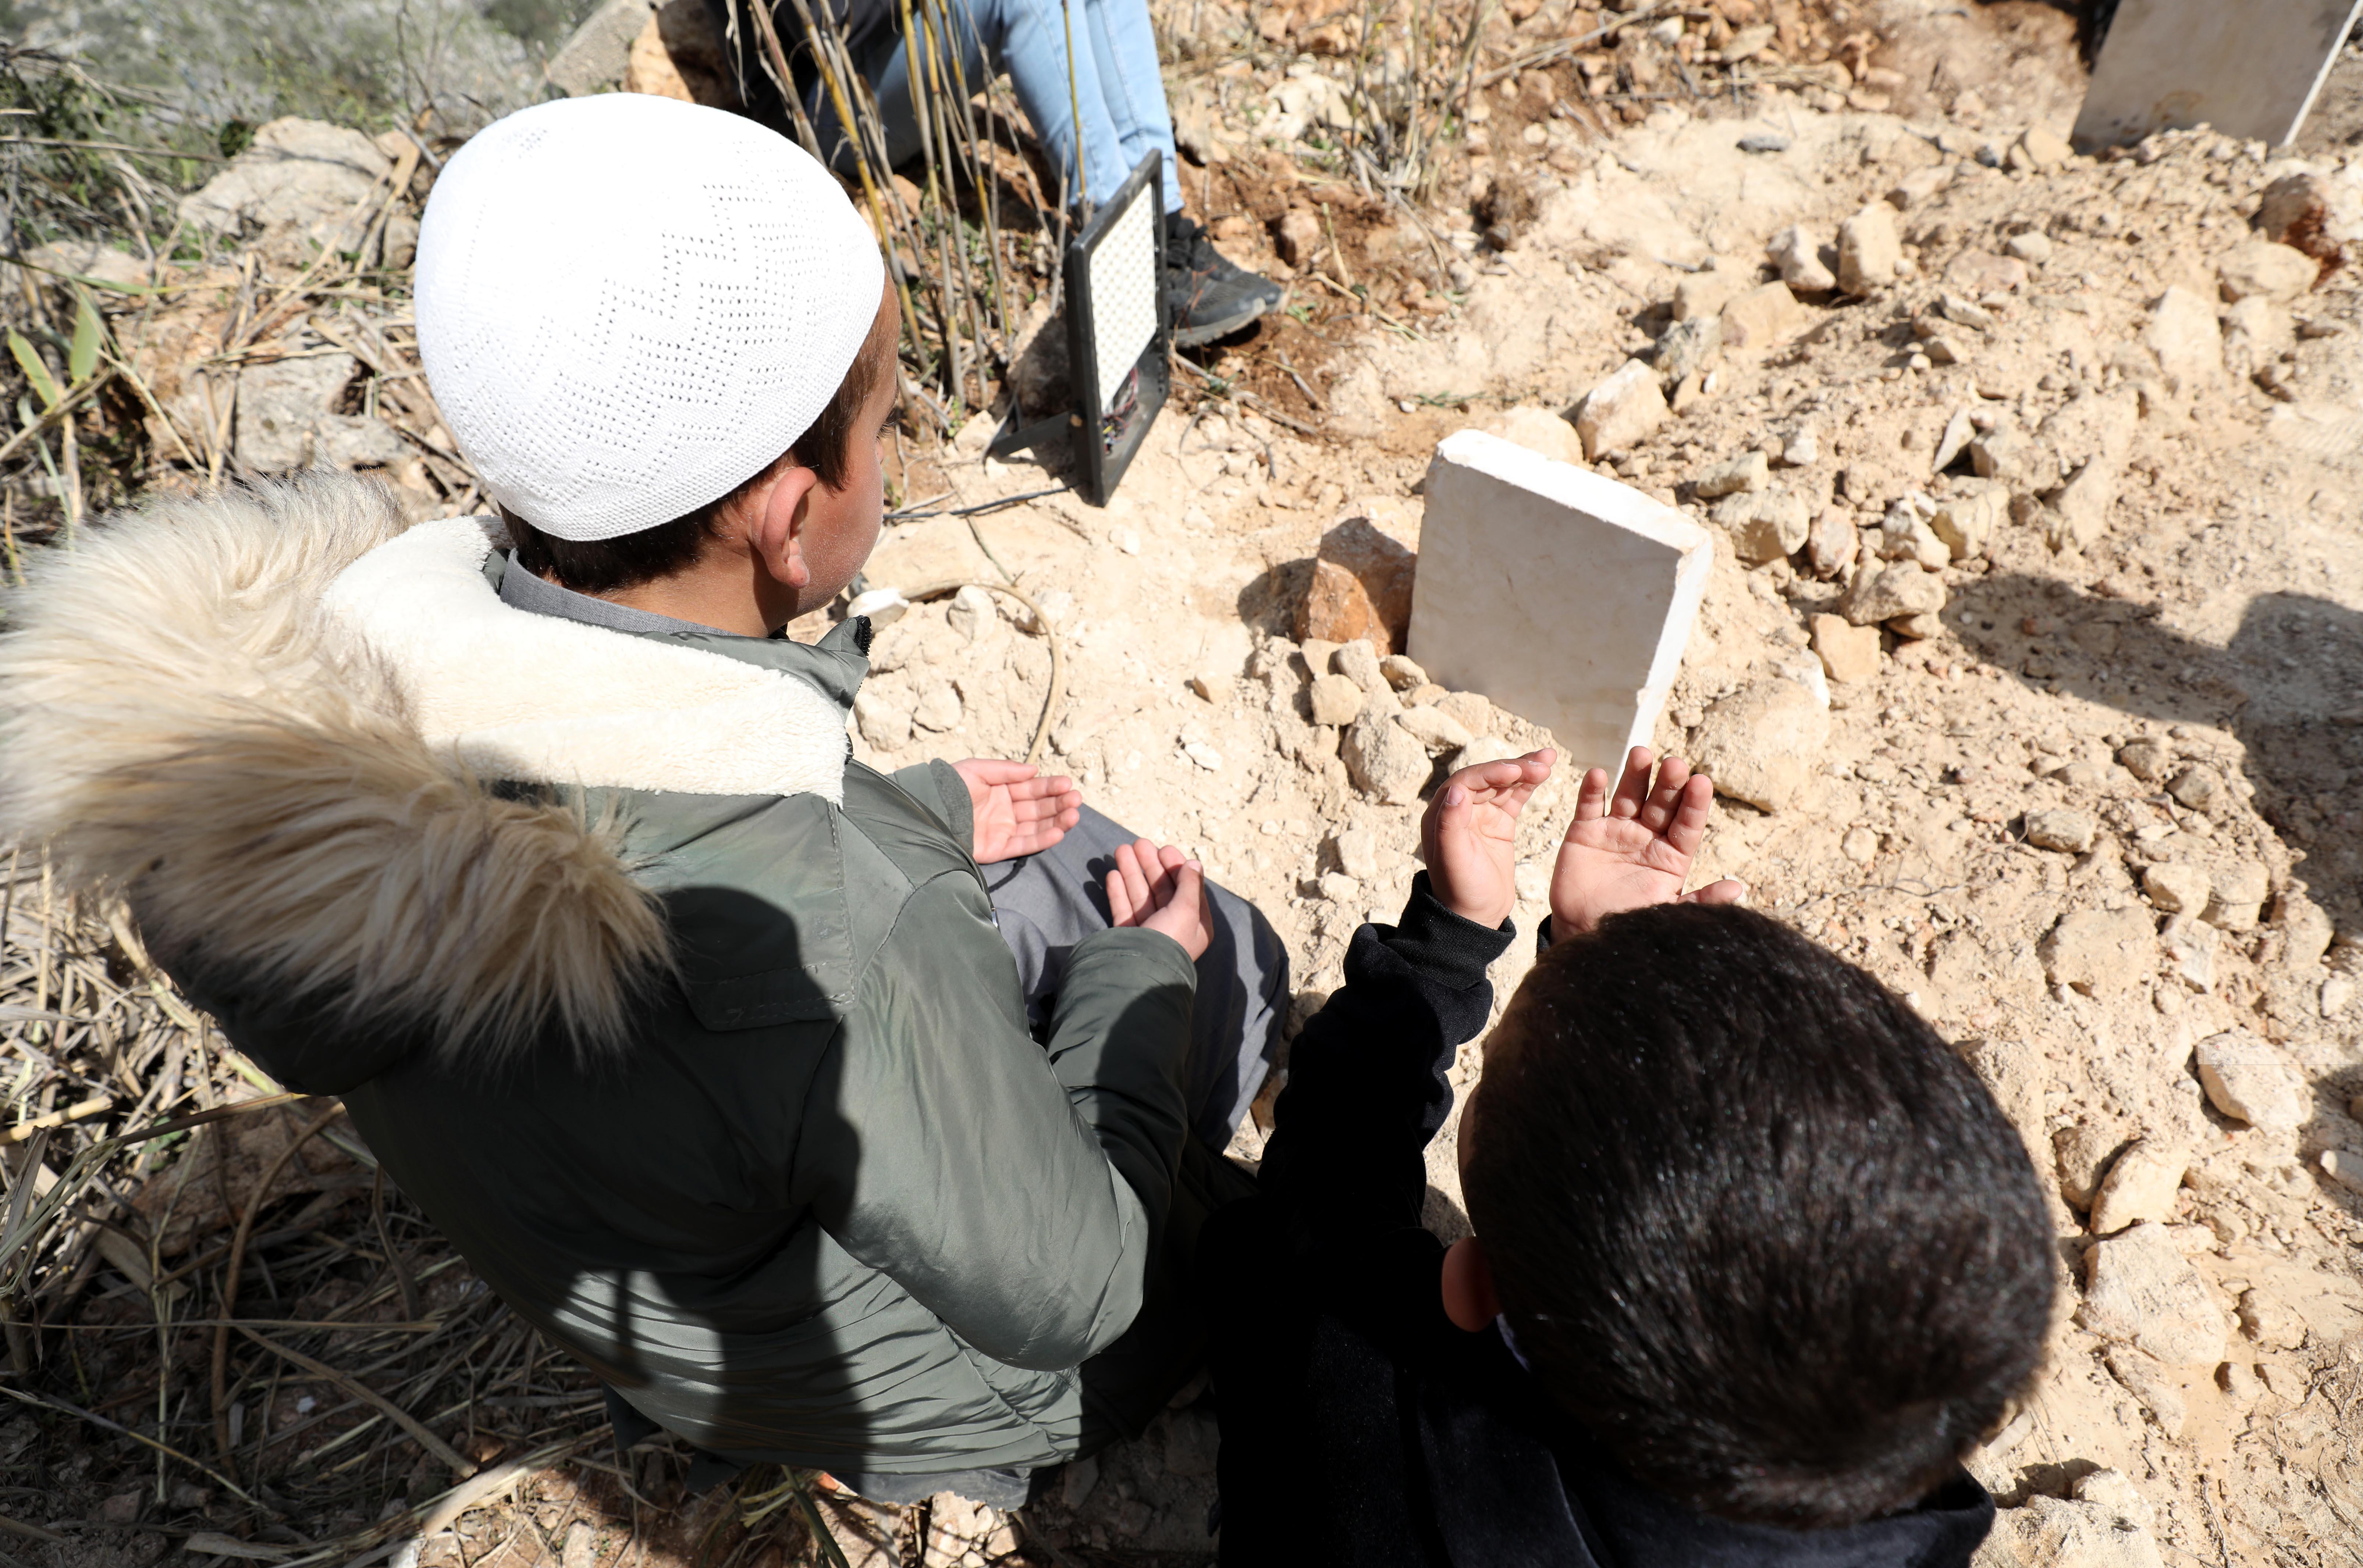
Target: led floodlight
x=1118 y=335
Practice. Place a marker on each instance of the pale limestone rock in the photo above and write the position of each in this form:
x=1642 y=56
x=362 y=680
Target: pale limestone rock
x=2256 y=333
x=2307 y=930
x=1919 y=186
x=2177 y=889
x=1621 y=412
x=1833 y=542
x=1763 y=318
x=1966 y=523
x=884 y=724
x=1868 y=249
x=1762 y=743
x=1764 y=525
x=1959 y=431
x=2033 y=248
x=1705 y=293
x=2197 y=786
x=2080 y=509
x=2184 y=336
x=286 y=420
x=1848 y=653
x=595 y=58
x=1688 y=348
x=1335 y=700
x=1905 y=536
x=1401 y=673
x=2001 y=454
x=2344 y=1167
x=2146 y=758
x=2237 y=895
x=1898 y=589
x=1358 y=854
x=1437 y=731
x=1357 y=661
x=2062 y=828
x=927 y=558
x=1797 y=253
x=2044 y=149
x=1749 y=472
x=2099 y=952
x=2140 y=1186
x=1385 y=760
x=1484 y=748
x=1476 y=714
x=2268 y=1323
x=2080 y=1154
x=2261 y=267
x=2248 y=1079
x=1538 y=430
x=2143 y=1292
x=2150 y=1382
x=2190 y=947
x=1917 y=626
x=938 y=708
x=303 y=185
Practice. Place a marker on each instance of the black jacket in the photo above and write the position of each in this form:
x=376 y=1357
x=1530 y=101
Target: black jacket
x=1359 y=1426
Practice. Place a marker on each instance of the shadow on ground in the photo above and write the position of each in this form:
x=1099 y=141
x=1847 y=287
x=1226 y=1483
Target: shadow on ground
x=2289 y=688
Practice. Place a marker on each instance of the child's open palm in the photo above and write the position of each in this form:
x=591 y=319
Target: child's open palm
x=1634 y=848
x=1469 y=838
x=1015 y=810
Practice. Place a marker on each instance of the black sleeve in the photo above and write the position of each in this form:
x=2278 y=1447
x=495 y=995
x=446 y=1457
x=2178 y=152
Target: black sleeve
x=1367 y=1088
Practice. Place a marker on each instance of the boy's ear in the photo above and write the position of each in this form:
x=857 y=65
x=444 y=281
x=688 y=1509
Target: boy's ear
x=775 y=530
x=1468 y=1298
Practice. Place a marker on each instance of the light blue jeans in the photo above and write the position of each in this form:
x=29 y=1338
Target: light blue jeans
x=1117 y=84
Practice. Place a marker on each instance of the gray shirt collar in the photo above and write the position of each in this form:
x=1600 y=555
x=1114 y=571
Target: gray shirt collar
x=521 y=589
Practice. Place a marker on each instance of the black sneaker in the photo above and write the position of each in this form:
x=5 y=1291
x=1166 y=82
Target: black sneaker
x=1208 y=296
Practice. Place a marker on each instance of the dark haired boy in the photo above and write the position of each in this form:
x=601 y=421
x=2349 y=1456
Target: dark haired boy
x=1756 y=1259
x=829 y=1117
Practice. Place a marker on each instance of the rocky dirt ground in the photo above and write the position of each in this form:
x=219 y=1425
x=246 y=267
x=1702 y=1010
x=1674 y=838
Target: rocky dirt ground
x=2031 y=666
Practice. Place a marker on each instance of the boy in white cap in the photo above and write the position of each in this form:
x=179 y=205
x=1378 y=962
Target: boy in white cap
x=828 y=1116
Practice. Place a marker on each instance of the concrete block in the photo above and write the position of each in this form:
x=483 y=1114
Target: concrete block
x=2250 y=70
x=1565 y=597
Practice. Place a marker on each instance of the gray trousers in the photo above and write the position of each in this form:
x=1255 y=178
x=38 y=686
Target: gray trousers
x=1047 y=903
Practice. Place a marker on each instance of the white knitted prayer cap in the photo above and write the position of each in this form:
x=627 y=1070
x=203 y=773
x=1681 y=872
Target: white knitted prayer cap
x=628 y=305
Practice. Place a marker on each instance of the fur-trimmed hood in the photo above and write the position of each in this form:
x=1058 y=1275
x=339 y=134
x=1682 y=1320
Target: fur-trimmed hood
x=274 y=719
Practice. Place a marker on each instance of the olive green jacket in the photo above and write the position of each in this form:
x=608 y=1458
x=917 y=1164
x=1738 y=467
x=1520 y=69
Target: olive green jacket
x=696 y=1037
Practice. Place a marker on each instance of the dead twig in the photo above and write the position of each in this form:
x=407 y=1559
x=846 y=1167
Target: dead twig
x=237 y=1265
x=442 y=1451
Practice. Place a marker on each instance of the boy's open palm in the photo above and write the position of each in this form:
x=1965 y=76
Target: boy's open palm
x=1018 y=811
x=1634 y=848
x=1162 y=890
x=1469 y=835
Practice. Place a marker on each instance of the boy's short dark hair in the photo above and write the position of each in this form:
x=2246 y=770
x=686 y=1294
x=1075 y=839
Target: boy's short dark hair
x=602 y=566
x=1754 y=1224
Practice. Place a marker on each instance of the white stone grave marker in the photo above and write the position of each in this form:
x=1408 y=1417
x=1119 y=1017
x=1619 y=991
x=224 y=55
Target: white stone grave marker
x=2250 y=68
x=1564 y=597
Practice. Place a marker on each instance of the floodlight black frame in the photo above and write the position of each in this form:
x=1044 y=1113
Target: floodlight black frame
x=1101 y=463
